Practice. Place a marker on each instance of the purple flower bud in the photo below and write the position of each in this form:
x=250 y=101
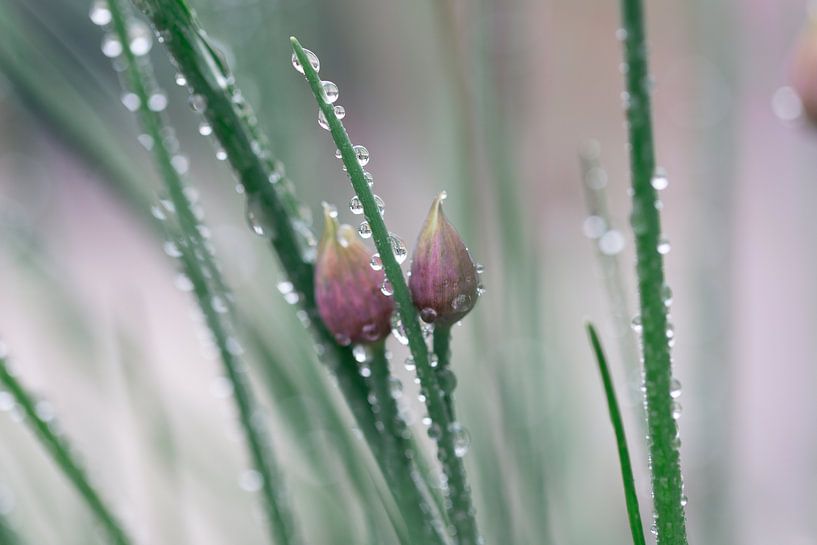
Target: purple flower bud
x=444 y=279
x=804 y=69
x=347 y=289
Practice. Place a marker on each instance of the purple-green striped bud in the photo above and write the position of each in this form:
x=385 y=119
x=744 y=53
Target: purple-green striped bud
x=347 y=289
x=444 y=280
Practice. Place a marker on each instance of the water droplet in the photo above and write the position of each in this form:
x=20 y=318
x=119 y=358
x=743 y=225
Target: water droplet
x=330 y=91
x=131 y=101
x=410 y=365
x=343 y=339
x=218 y=304
x=362 y=155
x=111 y=46
x=428 y=315
x=447 y=380
x=180 y=80
x=365 y=230
x=434 y=430
x=313 y=60
x=360 y=353
x=675 y=388
x=140 y=40
x=659 y=179
x=197 y=102
x=594 y=227
x=180 y=163
x=684 y=501
x=621 y=34
x=398 y=247
x=205 y=129
x=368 y=177
x=786 y=104
x=340 y=111
x=250 y=480
x=480 y=268
x=355 y=205
x=146 y=140
x=395 y=387
x=386 y=288
x=261 y=223
x=157 y=102
x=460 y=302
x=670 y=331
x=100 y=13
x=612 y=242
x=663 y=246
x=183 y=282
x=171 y=249
x=666 y=295
x=461 y=439
x=676 y=410
x=433 y=361
x=221 y=155
x=375 y=262
x=636 y=324
x=398 y=330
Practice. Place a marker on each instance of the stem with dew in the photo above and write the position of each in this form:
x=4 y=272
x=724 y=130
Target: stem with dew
x=667 y=485
x=461 y=510
x=441 y=345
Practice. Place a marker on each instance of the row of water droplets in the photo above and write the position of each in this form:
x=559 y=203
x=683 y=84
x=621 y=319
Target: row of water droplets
x=331 y=93
x=659 y=181
x=198 y=243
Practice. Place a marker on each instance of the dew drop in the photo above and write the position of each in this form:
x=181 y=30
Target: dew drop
x=330 y=91
x=362 y=155
x=398 y=247
x=386 y=288
x=428 y=315
x=157 y=102
x=461 y=302
x=221 y=387
x=410 y=365
x=684 y=501
x=636 y=324
x=180 y=163
x=171 y=249
x=180 y=80
x=146 y=140
x=447 y=380
x=594 y=227
x=360 y=353
x=659 y=179
x=461 y=439
x=433 y=361
x=376 y=263
x=398 y=330
x=395 y=387
x=675 y=388
x=340 y=111
x=322 y=122
x=205 y=129
x=365 y=230
x=612 y=242
x=666 y=295
x=381 y=206
x=355 y=205
x=663 y=246
x=257 y=217
x=183 y=283
x=111 y=46
x=313 y=60
x=218 y=304
x=676 y=410
x=140 y=40
x=250 y=481
x=131 y=101
x=368 y=177
x=197 y=103
x=100 y=13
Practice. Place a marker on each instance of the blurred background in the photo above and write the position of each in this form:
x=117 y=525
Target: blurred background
x=492 y=101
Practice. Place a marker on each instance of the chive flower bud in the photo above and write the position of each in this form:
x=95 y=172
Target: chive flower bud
x=444 y=280
x=347 y=289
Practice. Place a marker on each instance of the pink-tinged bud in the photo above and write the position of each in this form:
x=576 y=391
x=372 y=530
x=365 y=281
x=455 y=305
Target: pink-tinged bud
x=347 y=289
x=804 y=69
x=444 y=279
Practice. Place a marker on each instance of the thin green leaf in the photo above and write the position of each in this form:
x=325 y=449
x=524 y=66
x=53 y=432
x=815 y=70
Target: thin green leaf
x=627 y=478
x=60 y=452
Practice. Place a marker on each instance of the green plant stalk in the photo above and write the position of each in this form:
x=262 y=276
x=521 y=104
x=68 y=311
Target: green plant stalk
x=441 y=344
x=7 y=535
x=461 y=510
x=61 y=454
x=199 y=268
x=596 y=202
x=627 y=478
x=396 y=438
x=670 y=521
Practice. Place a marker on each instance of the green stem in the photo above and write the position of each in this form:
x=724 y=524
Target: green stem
x=199 y=267
x=627 y=478
x=60 y=451
x=670 y=521
x=396 y=438
x=442 y=350
x=461 y=510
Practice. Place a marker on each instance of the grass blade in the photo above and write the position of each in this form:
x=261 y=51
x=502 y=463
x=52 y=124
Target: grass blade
x=667 y=483
x=61 y=454
x=212 y=296
x=627 y=478
x=461 y=509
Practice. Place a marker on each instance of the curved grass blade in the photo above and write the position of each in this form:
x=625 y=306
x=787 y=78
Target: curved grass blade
x=208 y=286
x=667 y=483
x=60 y=452
x=621 y=439
x=461 y=509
